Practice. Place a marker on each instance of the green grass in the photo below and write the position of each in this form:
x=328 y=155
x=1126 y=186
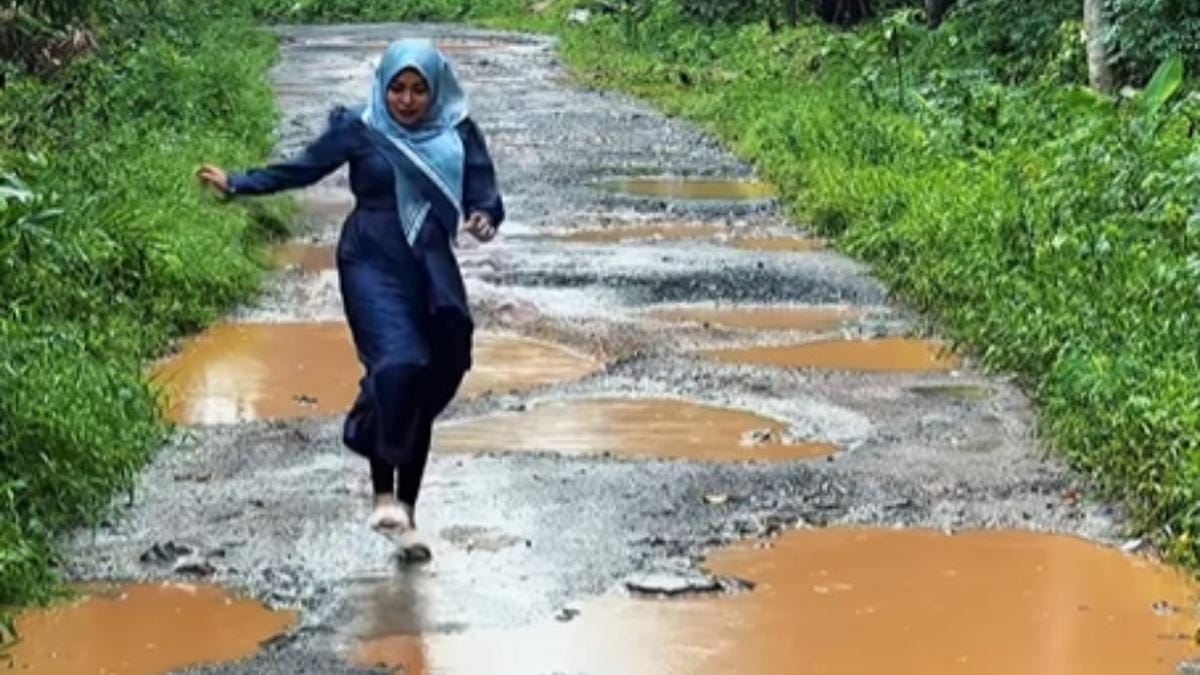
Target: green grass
x=108 y=250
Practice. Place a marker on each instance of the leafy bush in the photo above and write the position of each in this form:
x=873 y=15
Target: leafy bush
x=108 y=249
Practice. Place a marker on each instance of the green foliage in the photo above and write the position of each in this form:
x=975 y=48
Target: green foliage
x=1052 y=231
x=1145 y=32
x=385 y=10
x=108 y=249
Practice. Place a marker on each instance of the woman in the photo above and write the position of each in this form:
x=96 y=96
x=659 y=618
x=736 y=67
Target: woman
x=418 y=166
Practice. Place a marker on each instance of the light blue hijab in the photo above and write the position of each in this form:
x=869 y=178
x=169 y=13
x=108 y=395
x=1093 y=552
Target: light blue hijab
x=434 y=145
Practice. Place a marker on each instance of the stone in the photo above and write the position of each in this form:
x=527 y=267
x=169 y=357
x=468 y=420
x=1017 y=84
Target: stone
x=670 y=583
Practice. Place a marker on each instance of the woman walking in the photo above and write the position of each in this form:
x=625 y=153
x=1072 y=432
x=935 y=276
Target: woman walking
x=418 y=167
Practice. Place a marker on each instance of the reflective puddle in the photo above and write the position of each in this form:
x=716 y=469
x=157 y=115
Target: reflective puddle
x=813 y=319
x=304 y=257
x=689 y=188
x=144 y=629
x=880 y=355
x=237 y=372
x=778 y=244
x=629 y=427
x=856 y=601
x=508 y=363
x=657 y=231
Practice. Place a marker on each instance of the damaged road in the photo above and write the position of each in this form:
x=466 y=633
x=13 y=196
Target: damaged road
x=277 y=508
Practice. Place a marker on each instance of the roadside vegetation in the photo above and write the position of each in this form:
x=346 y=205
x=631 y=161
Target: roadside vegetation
x=107 y=248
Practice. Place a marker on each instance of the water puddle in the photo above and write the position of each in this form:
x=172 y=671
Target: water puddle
x=653 y=232
x=689 y=188
x=304 y=257
x=144 y=629
x=629 y=427
x=855 y=601
x=814 y=319
x=778 y=244
x=506 y=363
x=239 y=372
x=877 y=355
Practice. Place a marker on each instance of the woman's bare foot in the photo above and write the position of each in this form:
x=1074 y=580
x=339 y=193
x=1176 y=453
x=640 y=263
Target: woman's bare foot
x=390 y=514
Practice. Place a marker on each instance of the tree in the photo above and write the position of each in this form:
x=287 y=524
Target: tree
x=1095 y=26
x=935 y=11
x=842 y=12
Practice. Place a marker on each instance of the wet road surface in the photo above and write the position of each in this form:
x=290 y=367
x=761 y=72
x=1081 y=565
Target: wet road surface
x=551 y=541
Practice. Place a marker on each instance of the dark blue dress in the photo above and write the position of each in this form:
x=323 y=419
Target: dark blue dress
x=406 y=305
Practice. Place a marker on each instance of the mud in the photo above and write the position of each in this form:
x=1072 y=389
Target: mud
x=690 y=188
x=304 y=257
x=642 y=232
x=813 y=319
x=778 y=244
x=143 y=629
x=852 y=601
x=528 y=539
x=630 y=428
x=880 y=355
x=240 y=372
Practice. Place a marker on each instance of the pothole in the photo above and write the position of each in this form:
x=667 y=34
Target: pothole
x=854 y=601
x=629 y=427
x=304 y=257
x=653 y=232
x=778 y=244
x=238 y=372
x=508 y=363
x=812 y=318
x=689 y=188
x=876 y=355
x=143 y=629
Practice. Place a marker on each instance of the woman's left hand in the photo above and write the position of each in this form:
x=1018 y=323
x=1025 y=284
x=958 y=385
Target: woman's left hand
x=480 y=226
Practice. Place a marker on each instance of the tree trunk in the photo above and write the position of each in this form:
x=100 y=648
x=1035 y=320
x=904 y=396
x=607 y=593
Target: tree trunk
x=791 y=9
x=935 y=11
x=1100 y=73
x=842 y=12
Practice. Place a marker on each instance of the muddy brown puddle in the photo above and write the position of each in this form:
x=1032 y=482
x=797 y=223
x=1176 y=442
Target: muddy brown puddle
x=144 y=629
x=857 y=602
x=629 y=427
x=876 y=355
x=778 y=244
x=304 y=257
x=652 y=231
x=237 y=372
x=689 y=188
x=814 y=319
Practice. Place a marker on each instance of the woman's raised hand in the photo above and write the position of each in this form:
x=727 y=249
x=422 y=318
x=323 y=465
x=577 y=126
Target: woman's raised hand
x=214 y=176
x=480 y=226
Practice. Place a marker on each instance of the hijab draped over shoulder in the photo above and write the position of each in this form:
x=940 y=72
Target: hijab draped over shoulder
x=433 y=146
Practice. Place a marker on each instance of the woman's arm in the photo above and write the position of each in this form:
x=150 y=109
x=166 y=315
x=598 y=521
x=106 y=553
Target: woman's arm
x=320 y=158
x=480 y=193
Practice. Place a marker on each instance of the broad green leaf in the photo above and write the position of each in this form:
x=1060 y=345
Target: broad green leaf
x=1165 y=82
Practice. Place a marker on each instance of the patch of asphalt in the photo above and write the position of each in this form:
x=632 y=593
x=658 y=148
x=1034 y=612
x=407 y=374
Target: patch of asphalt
x=278 y=509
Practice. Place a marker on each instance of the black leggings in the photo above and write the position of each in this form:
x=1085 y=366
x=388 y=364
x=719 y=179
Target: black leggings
x=405 y=484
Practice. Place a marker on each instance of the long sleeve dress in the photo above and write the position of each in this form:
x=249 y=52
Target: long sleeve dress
x=405 y=303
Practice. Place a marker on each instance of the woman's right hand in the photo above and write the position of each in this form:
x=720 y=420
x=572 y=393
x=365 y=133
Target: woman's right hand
x=214 y=176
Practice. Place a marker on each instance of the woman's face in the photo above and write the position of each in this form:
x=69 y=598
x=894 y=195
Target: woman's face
x=408 y=98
